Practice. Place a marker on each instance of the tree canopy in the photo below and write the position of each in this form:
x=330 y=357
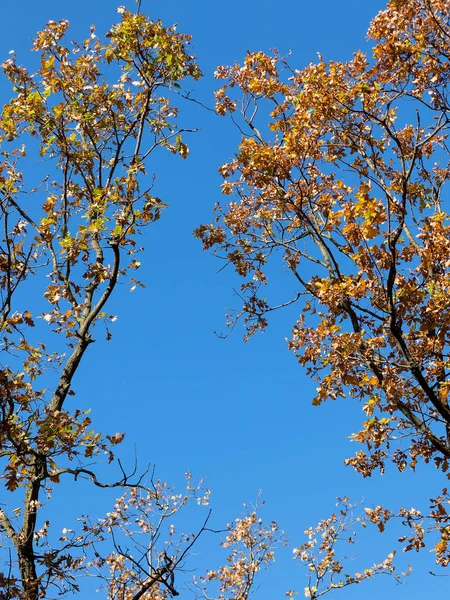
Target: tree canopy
x=341 y=176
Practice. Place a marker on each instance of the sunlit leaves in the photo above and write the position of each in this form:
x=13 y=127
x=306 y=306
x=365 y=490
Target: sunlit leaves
x=324 y=551
x=97 y=111
x=341 y=174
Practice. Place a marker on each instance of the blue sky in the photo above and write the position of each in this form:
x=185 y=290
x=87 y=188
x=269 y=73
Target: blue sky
x=238 y=414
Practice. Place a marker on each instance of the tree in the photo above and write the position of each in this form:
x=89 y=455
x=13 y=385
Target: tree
x=94 y=113
x=341 y=175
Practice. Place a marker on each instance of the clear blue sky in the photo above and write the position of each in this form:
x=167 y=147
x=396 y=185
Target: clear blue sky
x=238 y=414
